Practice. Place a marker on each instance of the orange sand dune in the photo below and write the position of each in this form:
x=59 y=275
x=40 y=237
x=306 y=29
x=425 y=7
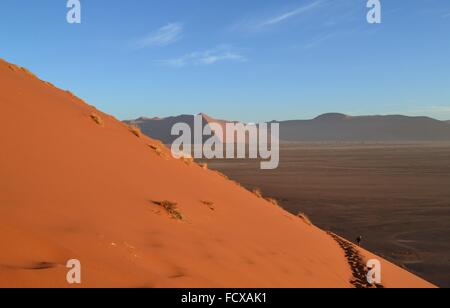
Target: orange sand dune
x=77 y=183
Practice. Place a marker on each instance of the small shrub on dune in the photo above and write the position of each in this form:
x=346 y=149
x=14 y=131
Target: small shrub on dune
x=273 y=201
x=156 y=149
x=184 y=157
x=153 y=147
x=305 y=218
x=257 y=192
x=135 y=130
x=204 y=166
x=159 y=150
x=222 y=175
x=170 y=208
x=209 y=204
x=12 y=67
x=187 y=160
x=97 y=119
x=26 y=71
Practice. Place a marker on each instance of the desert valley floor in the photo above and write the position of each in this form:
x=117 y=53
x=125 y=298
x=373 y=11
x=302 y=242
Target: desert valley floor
x=395 y=195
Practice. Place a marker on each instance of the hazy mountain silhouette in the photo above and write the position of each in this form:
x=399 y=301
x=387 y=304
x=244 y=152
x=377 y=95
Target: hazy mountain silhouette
x=327 y=127
x=160 y=128
x=340 y=127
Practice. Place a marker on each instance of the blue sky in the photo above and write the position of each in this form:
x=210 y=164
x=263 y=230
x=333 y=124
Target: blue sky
x=247 y=60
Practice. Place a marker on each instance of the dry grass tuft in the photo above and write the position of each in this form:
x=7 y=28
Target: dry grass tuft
x=26 y=71
x=222 y=175
x=13 y=67
x=209 y=204
x=305 y=218
x=273 y=201
x=257 y=192
x=188 y=160
x=135 y=130
x=97 y=119
x=70 y=93
x=156 y=149
x=170 y=208
x=204 y=166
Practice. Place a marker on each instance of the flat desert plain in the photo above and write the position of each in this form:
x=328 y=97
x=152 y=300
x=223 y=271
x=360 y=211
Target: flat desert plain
x=396 y=195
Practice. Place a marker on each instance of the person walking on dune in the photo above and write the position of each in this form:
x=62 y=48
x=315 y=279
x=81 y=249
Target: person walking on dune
x=359 y=240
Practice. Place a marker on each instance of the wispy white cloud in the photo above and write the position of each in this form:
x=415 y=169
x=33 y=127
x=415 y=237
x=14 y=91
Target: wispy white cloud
x=291 y=14
x=253 y=24
x=164 y=36
x=207 y=57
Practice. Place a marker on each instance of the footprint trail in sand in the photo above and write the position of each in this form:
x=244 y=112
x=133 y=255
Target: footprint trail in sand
x=355 y=260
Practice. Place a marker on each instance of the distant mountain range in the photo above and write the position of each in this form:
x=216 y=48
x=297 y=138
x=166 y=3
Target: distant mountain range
x=327 y=127
x=160 y=128
x=340 y=127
